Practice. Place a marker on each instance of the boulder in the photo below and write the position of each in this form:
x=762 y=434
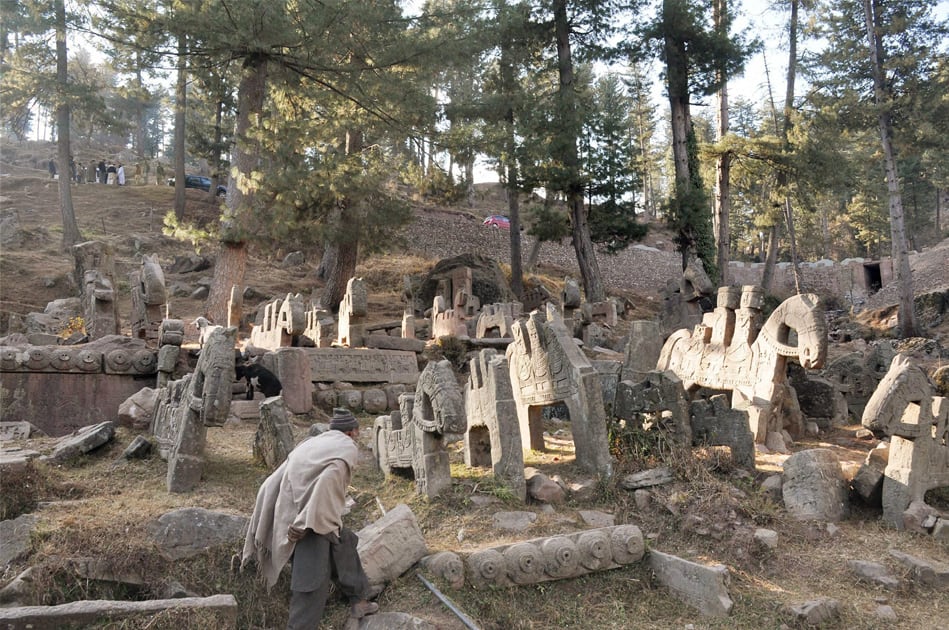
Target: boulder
x=136 y=410
x=542 y=488
x=817 y=611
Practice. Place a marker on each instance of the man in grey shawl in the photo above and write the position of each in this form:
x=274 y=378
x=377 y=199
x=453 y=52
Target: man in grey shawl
x=299 y=513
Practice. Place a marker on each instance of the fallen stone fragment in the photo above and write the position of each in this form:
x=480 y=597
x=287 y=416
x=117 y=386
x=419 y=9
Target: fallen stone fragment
x=13 y=460
x=927 y=572
x=140 y=448
x=941 y=530
x=817 y=611
x=705 y=588
x=15 y=538
x=647 y=478
x=771 y=487
x=814 y=488
x=19 y=430
x=767 y=538
x=83 y=441
x=188 y=532
x=19 y=589
x=274 y=438
x=885 y=613
x=136 y=410
x=389 y=621
x=873 y=572
x=216 y=611
x=514 y=521
x=542 y=488
x=447 y=566
x=390 y=547
x=595 y=518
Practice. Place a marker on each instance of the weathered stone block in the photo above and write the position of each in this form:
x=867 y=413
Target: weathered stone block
x=83 y=441
x=188 y=532
x=705 y=588
x=390 y=546
x=274 y=438
x=220 y=610
x=814 y=488
x=15 y=538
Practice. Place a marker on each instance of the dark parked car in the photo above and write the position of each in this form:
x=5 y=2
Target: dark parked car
x=200 y=182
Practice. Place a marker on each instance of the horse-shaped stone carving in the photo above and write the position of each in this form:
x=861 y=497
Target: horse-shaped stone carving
x=727 y=351
x=904 y=406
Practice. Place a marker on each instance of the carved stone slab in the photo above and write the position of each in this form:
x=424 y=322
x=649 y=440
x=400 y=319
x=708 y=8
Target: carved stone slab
x=362 y=365
x=555 y=558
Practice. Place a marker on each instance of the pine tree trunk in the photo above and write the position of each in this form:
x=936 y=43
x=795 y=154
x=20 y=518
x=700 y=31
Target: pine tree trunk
x=71 y=234
x=181 y=95
x=582 y=242
x=239 y=203
x=906 y=317
x=723 y=165
x=767 y=275
x=512 y=185
x=340 y=268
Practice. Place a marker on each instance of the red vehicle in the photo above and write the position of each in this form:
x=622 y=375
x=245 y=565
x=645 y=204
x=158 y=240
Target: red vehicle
x=498 y=221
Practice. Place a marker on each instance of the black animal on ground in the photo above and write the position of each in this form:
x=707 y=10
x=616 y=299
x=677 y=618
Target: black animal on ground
x=256 y=375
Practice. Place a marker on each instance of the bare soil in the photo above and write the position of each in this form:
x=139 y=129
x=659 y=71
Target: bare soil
x=101 y=505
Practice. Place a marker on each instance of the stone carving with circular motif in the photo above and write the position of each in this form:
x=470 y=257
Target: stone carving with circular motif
x=447 y=566
x=145 y=361
x=36 y=358
x=525 y=563
x=61 y=359
x=9 y=358
x=595 y=550
x=118 y=361
x=561 y=556
x=487 y=566
x=88 y=360
x=627 y=544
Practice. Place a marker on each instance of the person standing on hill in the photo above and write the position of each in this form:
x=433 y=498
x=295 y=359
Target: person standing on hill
x=51 y=165
x=120 y=174
x=299 y=514
x=103 y=176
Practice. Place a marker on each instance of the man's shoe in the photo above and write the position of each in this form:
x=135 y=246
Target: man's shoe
x=362 y=608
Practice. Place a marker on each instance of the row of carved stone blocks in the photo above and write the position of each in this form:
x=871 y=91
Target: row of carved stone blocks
x=77 y=359
x=541 y=559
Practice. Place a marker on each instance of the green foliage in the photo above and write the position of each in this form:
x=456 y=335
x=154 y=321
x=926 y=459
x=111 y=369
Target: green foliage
x=548 y=223
x=455 y=350
x=636 y=448
x=185 y=231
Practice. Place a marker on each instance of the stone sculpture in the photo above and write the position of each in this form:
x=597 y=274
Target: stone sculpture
x=493 y=437
x=282 y=324
x=147 y=287
x=62 y=388
x=555 y=558
x=320 y=327
x=352 y=314
x=95 y=276
x=905 y=408
x=414 y=436
x=497 y=319
x=451 y=322
x=186 y=408
x=727 y=352
x=546 y=368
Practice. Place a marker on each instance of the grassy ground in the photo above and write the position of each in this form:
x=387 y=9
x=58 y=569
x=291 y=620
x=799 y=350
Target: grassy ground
x=101 y=507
